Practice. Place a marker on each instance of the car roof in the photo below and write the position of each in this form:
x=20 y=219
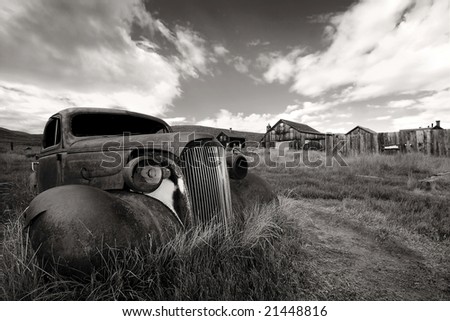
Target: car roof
x=69 y=112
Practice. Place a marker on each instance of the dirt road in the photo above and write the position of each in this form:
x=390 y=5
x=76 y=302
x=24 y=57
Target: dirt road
x=352 y=262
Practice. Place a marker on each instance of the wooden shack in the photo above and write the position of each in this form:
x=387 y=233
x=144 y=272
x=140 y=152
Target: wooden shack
x=361 y=140
x=228 y=138
x=430 y=141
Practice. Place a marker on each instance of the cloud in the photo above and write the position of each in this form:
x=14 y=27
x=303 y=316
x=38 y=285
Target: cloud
x=280 y=68
x=241 y=64
x=27 y=108
x=435 y=106
x=340 y=118
x=377 y=48
x=321 y=18
x=59 y=53
x=306 y=112
x=344 y=115
x=84 y=46
x=257 y=42
x=220 y=50
x=291 y=108
x=176 y=121
x=239 y=121
x=195 y=58
x=401 y=103
x=383 y=117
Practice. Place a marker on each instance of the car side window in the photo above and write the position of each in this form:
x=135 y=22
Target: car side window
x=52 y=133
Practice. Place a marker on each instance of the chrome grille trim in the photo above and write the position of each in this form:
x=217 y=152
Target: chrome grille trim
x=206 y=176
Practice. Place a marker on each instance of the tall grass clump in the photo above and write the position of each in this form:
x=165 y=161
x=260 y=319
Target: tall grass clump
x=15 y=190
x=257 y=258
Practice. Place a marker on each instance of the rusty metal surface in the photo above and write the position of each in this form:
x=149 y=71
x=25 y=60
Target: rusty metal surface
x=251 y=190
x=171 y=142
x=92 y=207
x=67 y=114
x=96 y=160
x=73 y=224
x=237 y=165
x=88 y=144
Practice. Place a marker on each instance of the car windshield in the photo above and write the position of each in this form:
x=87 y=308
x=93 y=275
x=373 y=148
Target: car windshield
x=103 y=124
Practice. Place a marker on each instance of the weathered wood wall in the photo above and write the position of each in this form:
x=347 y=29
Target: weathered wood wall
x=428 y=141
x=284 y=132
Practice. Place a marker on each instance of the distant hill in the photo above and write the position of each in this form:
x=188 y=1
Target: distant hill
x=249 y=136
x=19 y=138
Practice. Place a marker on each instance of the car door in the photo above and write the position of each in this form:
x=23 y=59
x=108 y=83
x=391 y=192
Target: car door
x=49 y=170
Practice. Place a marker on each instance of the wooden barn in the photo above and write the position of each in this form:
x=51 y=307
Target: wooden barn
x=296 y=134
x=228 y=138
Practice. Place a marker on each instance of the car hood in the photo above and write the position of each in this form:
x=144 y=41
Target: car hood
x=172 y=142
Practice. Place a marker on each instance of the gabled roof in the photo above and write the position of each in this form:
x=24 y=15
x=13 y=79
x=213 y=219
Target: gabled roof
x=231 y=134
x=363 y=128
x=298 y=126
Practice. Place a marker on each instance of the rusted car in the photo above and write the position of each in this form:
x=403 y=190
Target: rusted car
x=113 y=178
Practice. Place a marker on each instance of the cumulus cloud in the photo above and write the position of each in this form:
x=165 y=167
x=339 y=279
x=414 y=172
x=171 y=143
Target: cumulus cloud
x=78 y=45
x=435 y=106
x=25 y=107
x=220 y=50
x=239 y=121
x=306 y=112
x=195 y=57
x=280 y=68
x=377 y=48
x=59 y=53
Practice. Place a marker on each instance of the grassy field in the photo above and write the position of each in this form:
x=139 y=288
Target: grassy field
x=377 y=183
x=338 y=233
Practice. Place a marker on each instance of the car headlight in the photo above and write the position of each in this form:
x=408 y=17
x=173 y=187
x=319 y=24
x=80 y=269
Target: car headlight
x=237 y=165
x=144 y=175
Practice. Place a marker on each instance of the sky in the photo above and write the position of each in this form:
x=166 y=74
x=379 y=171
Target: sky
x=331 y=64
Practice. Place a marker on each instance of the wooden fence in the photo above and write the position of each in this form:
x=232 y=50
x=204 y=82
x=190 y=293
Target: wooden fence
x=428 y=141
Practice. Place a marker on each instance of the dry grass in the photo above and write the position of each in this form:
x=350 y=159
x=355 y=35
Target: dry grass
x=257 y=261
x=267 y=256
x=15 y=192
x=391 y=188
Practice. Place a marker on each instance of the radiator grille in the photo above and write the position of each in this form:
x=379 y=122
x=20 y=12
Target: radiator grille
x=205 y=172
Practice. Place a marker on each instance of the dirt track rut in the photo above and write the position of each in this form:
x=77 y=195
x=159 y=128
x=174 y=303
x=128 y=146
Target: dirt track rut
x=354 y=263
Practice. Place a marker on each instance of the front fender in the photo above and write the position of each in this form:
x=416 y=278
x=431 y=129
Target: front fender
x=71 y=226
x=250 y=190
